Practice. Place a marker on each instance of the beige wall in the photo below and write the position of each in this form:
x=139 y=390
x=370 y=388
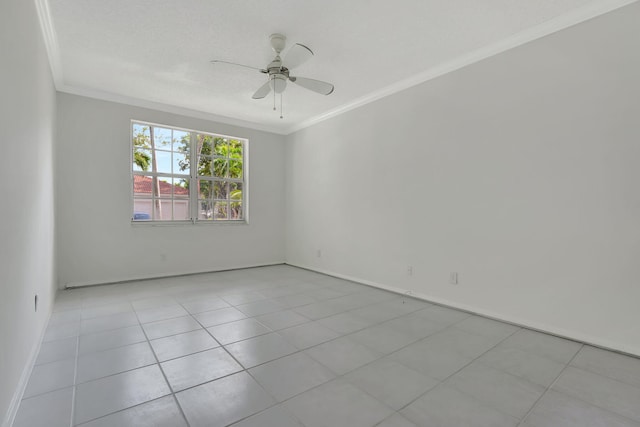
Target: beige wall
x=27 y=122
x=99 y=244
x=519 y=172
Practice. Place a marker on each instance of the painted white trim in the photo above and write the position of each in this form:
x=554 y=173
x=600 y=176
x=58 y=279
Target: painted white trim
x=173 y=109
x=548 y=27
x=80 y=284
x=14 y=405
x=537 y=326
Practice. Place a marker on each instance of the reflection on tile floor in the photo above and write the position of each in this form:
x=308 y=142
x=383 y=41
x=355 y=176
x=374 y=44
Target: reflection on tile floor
x=281 y=347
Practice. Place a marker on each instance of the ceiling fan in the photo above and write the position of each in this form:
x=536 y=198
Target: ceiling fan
x=278 y=71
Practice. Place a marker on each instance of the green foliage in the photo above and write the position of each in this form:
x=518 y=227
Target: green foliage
x=142 y=148
x=142 y=159
x=236 y=204
x=217 y=157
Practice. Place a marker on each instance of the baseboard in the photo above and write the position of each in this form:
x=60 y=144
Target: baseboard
x=24 y=378
x=523 y=323
x=72 y=285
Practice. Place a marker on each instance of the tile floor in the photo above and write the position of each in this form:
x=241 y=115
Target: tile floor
x=283 y=347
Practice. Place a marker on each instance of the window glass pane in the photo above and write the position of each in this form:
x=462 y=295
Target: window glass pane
x=235 y=149
x=220 y=210
x=220 y=190
x=142 y=209
x=235 y=199
x=141 y=159
x=141 y=147
x=204 y=189
x=181 y=141
x=205 y=209
x=220 y=167
x=162 y=187
x=221 y=147
x=162 y=209
x=163 y=162
x=181 y=163
x=142 y=185
x=235 y=169
x=205 y=164
x=235 y=190
x=180 y=188
x=140 y=131
x=205 y=144
x=235 y=210
x=162 y=138
x=181 y=210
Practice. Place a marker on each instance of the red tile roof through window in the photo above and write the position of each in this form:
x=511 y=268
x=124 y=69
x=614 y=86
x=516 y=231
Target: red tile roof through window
x=144 y=185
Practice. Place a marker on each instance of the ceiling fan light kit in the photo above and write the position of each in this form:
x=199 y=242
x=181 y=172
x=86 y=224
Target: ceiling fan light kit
x=278 y=73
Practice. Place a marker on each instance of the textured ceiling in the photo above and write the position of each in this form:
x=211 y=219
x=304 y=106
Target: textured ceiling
x=159 y=50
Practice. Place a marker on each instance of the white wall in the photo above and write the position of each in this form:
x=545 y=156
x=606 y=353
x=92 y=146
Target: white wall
x=97 y=242
x=27 y=123
x=520 y=172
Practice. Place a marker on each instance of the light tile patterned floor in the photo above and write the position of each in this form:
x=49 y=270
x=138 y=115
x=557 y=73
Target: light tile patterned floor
x=282 y=347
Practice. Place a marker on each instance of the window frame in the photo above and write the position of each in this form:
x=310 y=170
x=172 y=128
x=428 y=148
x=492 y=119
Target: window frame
x=193 y=177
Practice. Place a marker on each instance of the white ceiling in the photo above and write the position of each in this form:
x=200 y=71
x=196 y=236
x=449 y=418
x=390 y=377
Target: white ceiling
x=157 y=52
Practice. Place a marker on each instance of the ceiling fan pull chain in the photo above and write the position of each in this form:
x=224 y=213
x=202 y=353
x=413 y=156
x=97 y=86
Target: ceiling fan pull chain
x=280 y=105
x=274 y=94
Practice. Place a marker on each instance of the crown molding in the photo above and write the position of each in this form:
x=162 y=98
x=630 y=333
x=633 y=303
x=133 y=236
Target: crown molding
x=55 y=63
x=50 y=40
x=167 y=108
x=551 y=26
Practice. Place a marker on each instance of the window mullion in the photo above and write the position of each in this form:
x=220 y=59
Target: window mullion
x=193 y=173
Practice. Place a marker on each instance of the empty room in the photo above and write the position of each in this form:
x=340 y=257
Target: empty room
x=421 y=213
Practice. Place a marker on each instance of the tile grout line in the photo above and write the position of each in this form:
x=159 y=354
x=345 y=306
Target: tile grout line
x=271 y=331
x=223 y=345
x=75 y=376
x=141 y=325
x=244 y=369
x=341 y=335
x=120 y=410
x=173 y=394
x=524 y=418
x=341 y=376
x=463 y=367
x=277 y=402
x=609 y=411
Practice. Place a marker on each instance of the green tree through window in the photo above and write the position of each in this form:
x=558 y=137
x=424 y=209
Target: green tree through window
x=218 y=180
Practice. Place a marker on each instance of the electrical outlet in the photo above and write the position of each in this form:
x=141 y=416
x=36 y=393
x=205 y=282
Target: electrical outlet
x=319 y=253
x=410 y=270
x=453 y=278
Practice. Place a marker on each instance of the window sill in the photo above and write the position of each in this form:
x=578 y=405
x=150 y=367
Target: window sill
x=187 y=223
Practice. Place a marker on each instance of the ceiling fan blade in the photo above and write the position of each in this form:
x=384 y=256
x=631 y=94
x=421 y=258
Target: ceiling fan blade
x=218 y=61
x=263 y=91
x=318 y=86
x=297 y=55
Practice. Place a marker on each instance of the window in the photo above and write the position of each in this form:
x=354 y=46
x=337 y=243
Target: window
x=167 y=188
